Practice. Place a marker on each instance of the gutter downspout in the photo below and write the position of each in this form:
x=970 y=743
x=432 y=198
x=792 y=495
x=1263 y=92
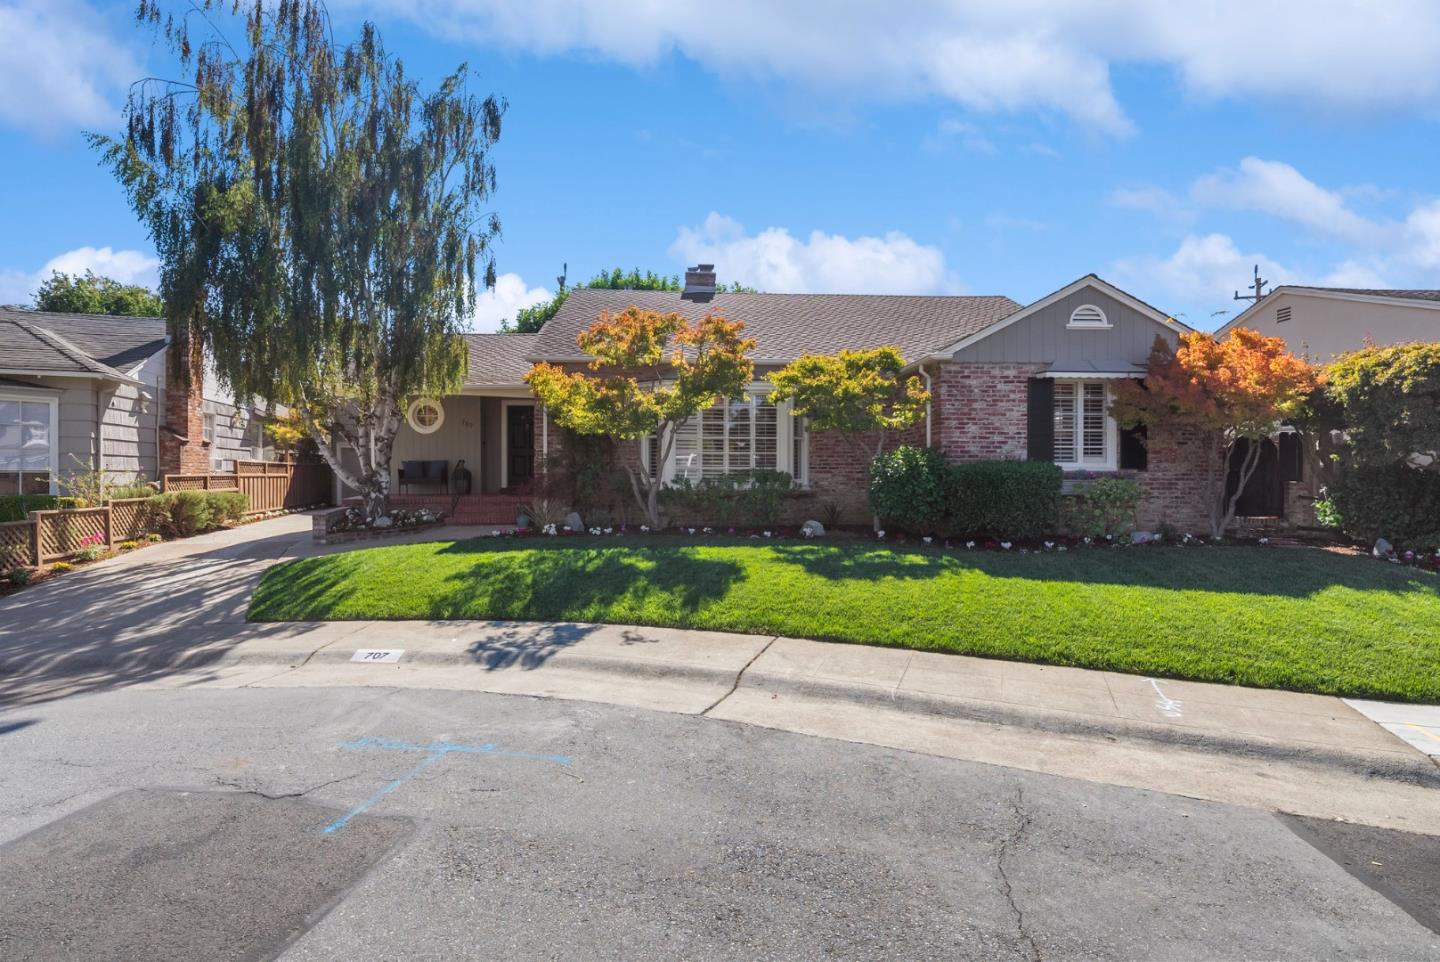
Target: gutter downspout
x=929 y=405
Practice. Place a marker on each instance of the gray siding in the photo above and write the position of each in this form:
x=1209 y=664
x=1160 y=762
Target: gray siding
x=131 y=415
x=238 y=435
x=1044 y=338
x=77 y=424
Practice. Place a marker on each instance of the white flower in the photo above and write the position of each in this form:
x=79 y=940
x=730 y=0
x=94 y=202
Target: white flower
x=609 y=531
x=927 y=539
x=880 y=534
x=1005 y=545
x=767 y=534
x=690 y=530
x=495 y=533
x=1062 y=548
x=549 y=529
x=969 y=545
x=709 y=531
x=594 y=530
x=644 y=527
x=1049 y=545
x=1086 y=539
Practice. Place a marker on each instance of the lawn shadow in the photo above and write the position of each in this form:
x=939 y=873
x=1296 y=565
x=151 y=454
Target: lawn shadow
x=566 y=582
x=1230 y=569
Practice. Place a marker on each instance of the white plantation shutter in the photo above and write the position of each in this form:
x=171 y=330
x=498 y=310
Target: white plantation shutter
x=767 y=435
x=1093 y=422
x=735 y=436
x=1065 y=423
x=686 y=453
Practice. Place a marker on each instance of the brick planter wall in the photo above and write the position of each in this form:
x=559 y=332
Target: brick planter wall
x=321 y=522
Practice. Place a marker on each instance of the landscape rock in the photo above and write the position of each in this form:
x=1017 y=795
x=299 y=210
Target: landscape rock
x=574 y=522
x=812 y=529
x=384 y=521
x=1382 y=549
x=1142 y=537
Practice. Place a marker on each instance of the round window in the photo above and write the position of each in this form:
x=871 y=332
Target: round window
x=426 y=415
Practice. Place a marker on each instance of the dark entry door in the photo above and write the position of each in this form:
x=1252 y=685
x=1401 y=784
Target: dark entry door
x=1280 y=461
x=519 y=444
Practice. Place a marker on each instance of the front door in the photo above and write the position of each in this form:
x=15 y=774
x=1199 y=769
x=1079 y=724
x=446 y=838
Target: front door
x=519 y=444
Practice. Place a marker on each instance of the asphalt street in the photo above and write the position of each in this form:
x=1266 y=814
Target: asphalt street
x=382 y=824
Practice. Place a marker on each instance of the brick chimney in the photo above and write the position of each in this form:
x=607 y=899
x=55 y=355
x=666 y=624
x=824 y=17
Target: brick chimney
x=699 y=283
x=182 y=435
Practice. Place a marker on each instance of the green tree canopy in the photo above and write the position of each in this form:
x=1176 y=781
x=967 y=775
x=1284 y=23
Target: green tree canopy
x=651 y=372
x=322 y=225
x=1388 y=400
x=528 y=320
x=91 y=293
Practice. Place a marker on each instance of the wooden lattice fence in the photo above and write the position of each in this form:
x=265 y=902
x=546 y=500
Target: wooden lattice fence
x=17 y=544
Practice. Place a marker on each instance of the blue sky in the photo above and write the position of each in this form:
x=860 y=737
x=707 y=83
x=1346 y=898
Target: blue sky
x=941 y=147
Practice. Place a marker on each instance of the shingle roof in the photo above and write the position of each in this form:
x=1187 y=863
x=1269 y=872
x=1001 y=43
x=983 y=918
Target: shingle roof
x=498 y=359
x=98 y=344
x=785 y=326
x=1404 y=295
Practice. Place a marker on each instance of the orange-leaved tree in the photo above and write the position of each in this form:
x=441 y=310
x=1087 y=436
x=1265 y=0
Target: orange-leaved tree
x=1244 y=387
x=650 y=373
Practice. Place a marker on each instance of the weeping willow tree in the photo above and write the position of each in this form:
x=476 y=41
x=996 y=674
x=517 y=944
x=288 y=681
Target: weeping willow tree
x=321 y=223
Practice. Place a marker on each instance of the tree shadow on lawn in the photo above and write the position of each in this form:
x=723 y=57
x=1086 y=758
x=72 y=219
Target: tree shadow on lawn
x=1288 y=572
x=580 y=582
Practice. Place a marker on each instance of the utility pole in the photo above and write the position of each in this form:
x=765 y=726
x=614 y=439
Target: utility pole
x=1259 y=285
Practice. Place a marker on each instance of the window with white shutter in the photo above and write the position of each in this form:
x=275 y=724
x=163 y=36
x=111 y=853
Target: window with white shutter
x=1085 y=435
x=734 y=437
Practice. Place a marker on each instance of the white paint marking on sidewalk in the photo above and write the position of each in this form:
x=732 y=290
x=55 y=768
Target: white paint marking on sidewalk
x=378 y=656
x=1167 y=706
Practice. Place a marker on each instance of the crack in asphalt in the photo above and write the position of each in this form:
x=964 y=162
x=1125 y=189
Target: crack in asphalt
x=245 y=790
x=1022 y=825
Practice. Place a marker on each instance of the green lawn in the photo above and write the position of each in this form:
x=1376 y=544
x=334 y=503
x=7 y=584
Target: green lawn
x=1302 y=619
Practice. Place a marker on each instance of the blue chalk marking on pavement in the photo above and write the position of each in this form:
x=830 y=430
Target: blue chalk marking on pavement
x=435 y=751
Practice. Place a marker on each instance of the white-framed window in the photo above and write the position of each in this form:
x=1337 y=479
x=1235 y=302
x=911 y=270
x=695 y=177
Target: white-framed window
x=207 y=430
x=733 y=437
x=425 y=416
x=1088 y=315
x=1086 y=437
x=29 y=431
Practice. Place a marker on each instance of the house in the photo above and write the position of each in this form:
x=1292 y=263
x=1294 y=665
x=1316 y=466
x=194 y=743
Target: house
x=1008 y=381
x=1321 y=323
x=81 y=392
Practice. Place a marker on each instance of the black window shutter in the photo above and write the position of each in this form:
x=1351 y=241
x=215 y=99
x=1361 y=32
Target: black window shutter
x=1133 y=454
x=1040 y=419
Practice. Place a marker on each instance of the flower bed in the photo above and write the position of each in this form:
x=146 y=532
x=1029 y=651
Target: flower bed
x=347 y=524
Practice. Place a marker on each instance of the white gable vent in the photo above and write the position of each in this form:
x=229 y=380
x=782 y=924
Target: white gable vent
x=1282 y=314
x=1088 y=315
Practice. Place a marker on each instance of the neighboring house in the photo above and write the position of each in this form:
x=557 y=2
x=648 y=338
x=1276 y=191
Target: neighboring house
x=1008 y=382
x=80 y=392
x=1320 y=323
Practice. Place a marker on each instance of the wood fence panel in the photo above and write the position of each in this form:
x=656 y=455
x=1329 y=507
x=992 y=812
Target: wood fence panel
x=62 y=533
x=129 y=519
x=17 y=544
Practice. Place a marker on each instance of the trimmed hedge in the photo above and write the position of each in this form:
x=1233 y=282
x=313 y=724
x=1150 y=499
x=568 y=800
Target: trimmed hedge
x=1395 y=502
x=747 y=498
x=917 y=489
x=15 y=507
x=911 y=487
x=1005 y=499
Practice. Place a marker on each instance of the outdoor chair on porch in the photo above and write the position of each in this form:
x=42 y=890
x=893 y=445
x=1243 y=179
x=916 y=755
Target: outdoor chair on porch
x=424 y=472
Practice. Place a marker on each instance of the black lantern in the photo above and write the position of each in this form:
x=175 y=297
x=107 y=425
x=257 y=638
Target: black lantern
x=460 y=478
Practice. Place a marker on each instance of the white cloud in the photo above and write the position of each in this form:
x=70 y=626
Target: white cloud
x=500 y=303
x=962 y=132
x=18 y=286
x=61 y=67
x=1051 y=55
x=1152 y=200
x=775 y=260
x=1278 y=189
x=1203 y=269
x=1422 y=236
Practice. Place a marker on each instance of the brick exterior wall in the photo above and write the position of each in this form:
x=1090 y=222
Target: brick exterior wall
x=1172 y=489
x=182 y=446
x=980 y=410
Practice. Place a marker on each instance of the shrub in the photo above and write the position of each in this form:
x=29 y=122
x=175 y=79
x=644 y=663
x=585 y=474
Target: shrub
x=91 y=547
x=1106 y=507
x=19 y=576
x=747 y=498
x=15 y=507
x=1010 y=499
x=1395 y=502
x=181 y=514
x=911 y=487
